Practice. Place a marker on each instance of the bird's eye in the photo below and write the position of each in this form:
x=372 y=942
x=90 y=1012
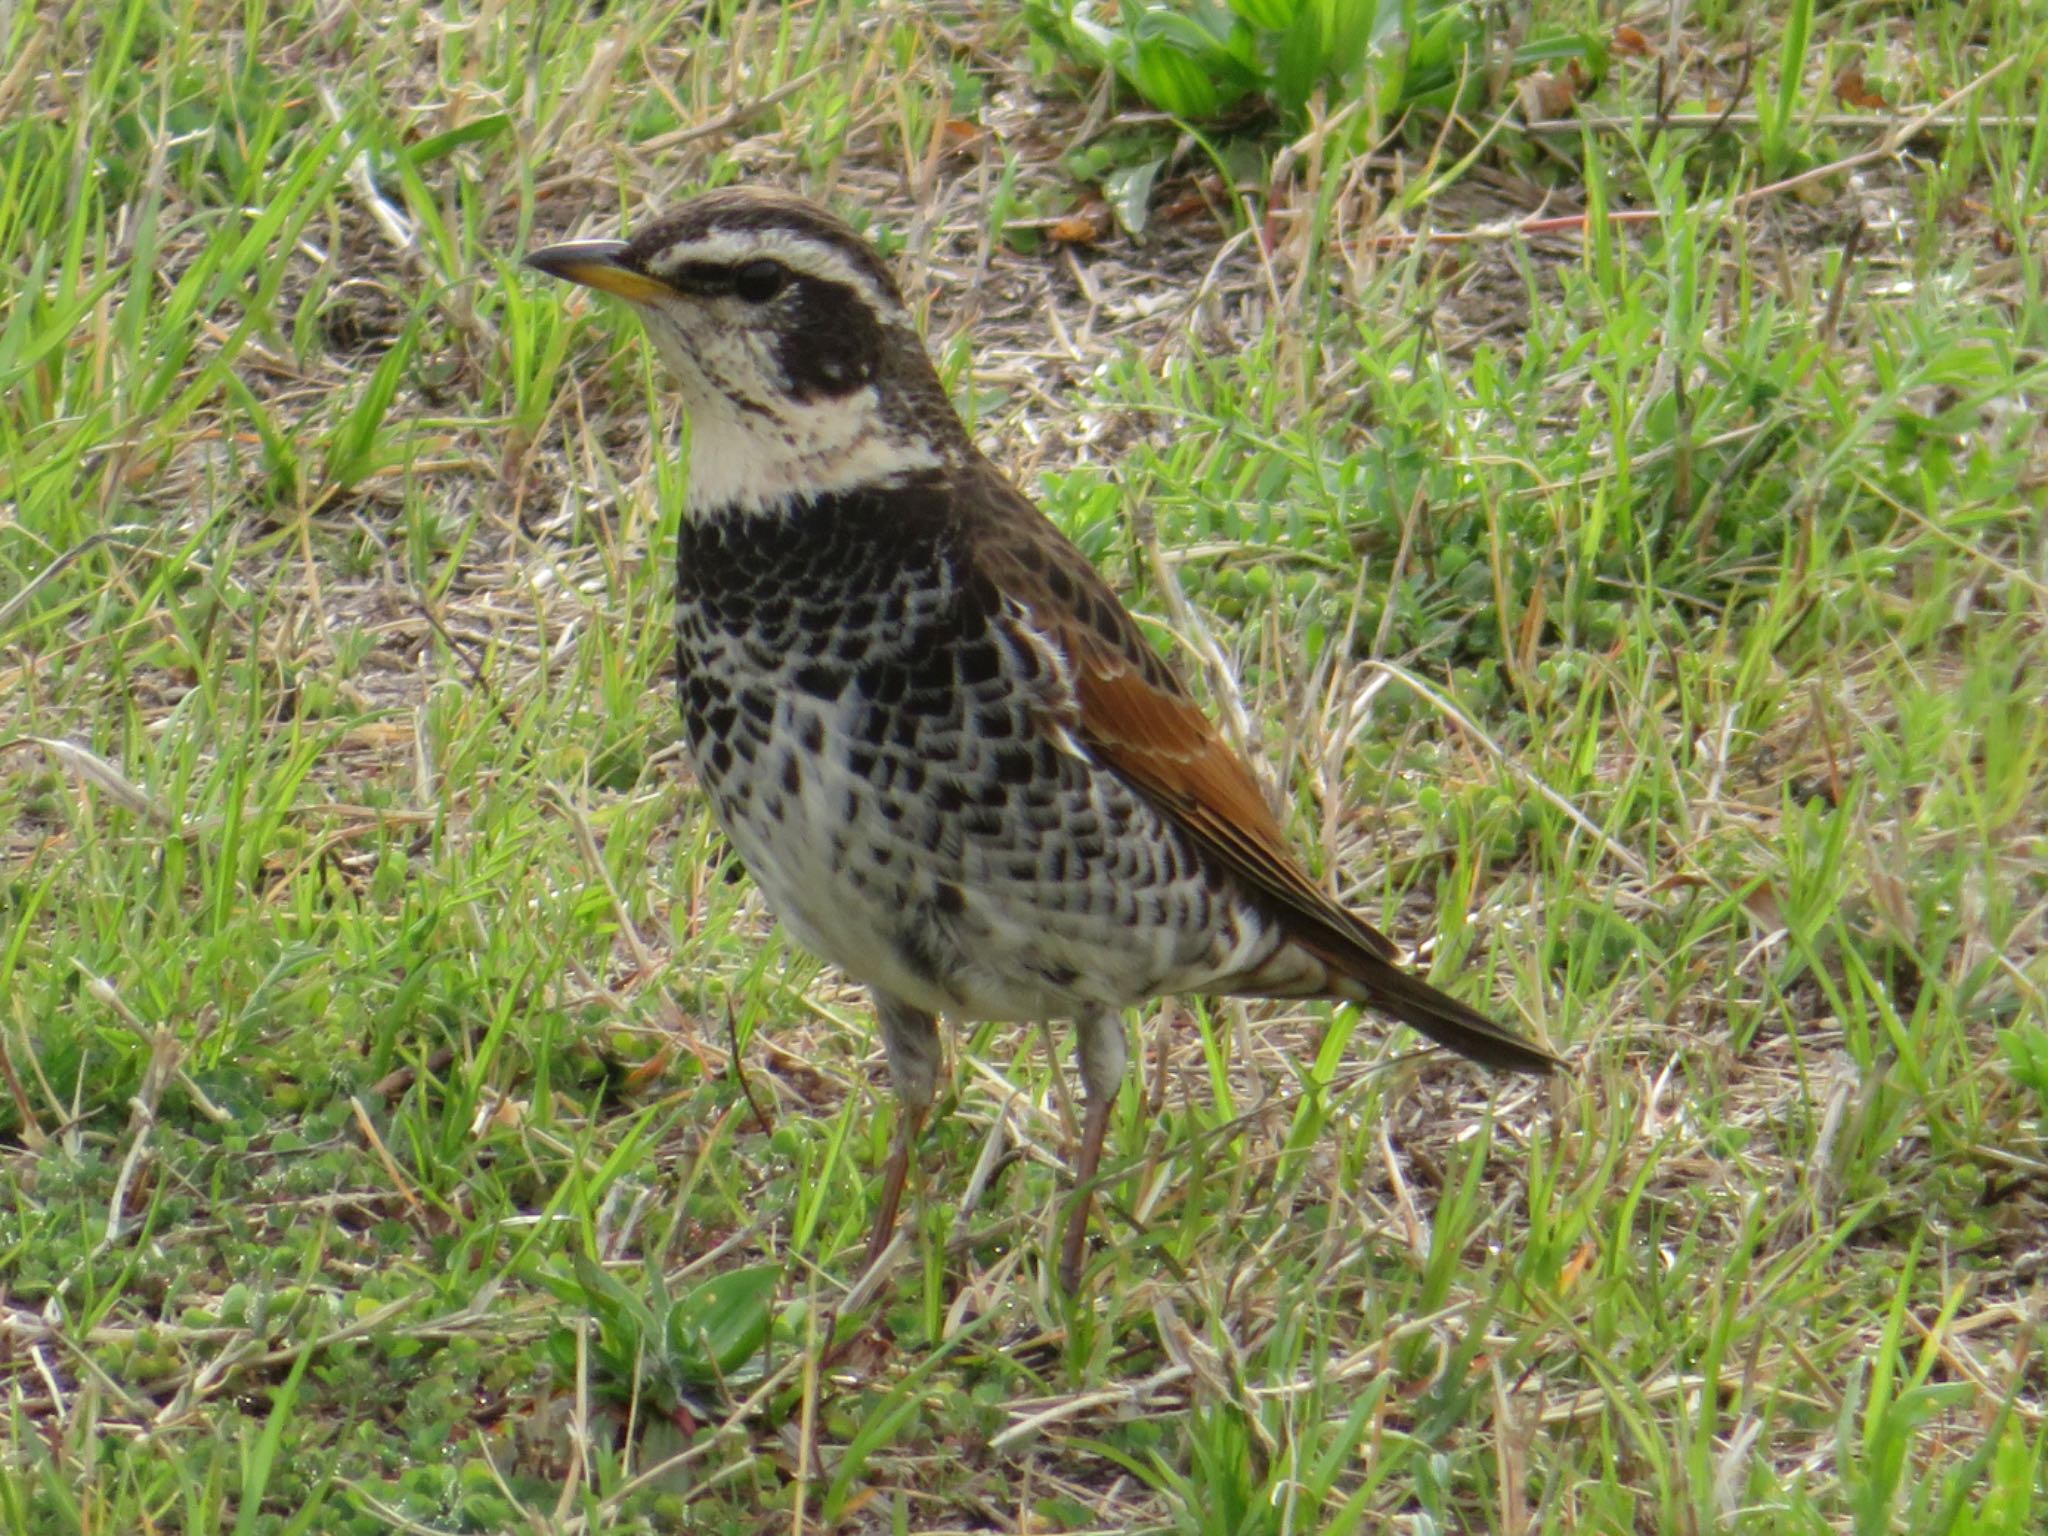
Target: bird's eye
x=759 y=281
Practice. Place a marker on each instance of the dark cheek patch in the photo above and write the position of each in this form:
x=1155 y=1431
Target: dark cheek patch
x=826 y=341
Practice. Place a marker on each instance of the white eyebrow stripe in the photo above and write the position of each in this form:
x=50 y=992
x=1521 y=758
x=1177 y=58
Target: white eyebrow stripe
x=797 y=251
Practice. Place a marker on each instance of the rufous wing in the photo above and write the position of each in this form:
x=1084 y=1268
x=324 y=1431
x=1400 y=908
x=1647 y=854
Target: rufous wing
x=1132 y=714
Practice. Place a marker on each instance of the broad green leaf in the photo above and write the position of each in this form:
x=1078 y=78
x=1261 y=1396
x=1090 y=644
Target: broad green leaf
x=1272 y=14
x=1129 y=190
x=1585 y=46
x=1299 y=66
x=1353 y=27
x=724 y=1322
x=605 y=1292
x=483 y=128
x=1174 y=82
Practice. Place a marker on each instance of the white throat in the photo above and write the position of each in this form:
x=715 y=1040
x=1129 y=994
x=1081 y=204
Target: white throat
x=751 y=463
x=759 y=456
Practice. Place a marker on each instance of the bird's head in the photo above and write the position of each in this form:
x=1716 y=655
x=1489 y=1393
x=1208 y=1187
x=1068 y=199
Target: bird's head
x=801 y=370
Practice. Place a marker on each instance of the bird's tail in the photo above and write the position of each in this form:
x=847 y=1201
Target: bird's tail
x=1383 y=985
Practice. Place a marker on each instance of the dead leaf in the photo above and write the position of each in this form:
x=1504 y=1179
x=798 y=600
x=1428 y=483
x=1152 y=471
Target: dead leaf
x=1085 y=226
x=652 y=1069
x=1545 y=95
x=1576 y=1266
x=378 y=734
x=495 y=1112
x=958 y=135
x=1764 y=908
x=1892 y=896
x=1851 y=91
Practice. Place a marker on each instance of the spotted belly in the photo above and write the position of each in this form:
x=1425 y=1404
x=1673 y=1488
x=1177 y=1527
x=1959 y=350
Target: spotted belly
x=958 y=869
x=876 y=728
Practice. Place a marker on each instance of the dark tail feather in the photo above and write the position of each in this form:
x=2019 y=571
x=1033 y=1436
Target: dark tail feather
x=1378 y=984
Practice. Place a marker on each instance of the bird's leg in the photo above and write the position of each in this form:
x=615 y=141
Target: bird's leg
x=910 y=1039
x=1103 y=1051
x=909 y=1122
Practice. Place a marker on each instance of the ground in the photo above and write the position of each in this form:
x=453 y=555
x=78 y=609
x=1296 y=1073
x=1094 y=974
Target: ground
x=1622 y=544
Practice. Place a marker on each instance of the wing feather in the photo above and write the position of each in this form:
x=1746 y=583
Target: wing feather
x=1133 y=713
x=1126 y=708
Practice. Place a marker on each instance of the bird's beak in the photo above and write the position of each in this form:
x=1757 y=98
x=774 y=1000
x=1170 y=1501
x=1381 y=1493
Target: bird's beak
x=599 y=264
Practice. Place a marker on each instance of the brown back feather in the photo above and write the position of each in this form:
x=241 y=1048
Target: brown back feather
x=1138 y=718
x=1131 y=711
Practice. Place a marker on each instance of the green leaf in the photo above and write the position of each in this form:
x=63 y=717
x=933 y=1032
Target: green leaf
x=1272 y=14
x=1355 y=26
x=1443 y=42
x=1173 y=82
x=1298 y=68
x=722 y=1324
x=607 y=1298
x=1129 y=190
x=2026 y=1055
x=1106 y=45
x=1206 y=44
x=352 y=452
x=441 y=144
x=1584 y=46
x=260 y=1456
x=1777 y=109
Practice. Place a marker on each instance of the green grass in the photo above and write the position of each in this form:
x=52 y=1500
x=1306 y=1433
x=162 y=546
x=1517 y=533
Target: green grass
x=1646 y=619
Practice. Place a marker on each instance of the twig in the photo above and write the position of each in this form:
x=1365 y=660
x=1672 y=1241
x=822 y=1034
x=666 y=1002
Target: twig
x=1728 y=122
x=1512 y=229
x=1901 y=134
x=32 y=1135
x=586 y=842
x=1833 y=318
x=1221 y=677
x=1736 y=95
x=1682 y=446
x=163 y=1063
x=396 y=227
x=475 y=668
x=1136 y=1395
x=1969 y=549
x=89 y=767
x=732 y=1064
x=1671 y=66
x=731 y=117
x=807 y=1417
x=141 y=1121
x=24 y=69
x=377 y=1146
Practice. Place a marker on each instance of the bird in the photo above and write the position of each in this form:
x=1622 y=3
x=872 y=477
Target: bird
x=938 y=741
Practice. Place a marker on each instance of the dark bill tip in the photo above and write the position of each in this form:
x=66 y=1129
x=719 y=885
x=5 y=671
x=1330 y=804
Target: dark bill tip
x=599 y=264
